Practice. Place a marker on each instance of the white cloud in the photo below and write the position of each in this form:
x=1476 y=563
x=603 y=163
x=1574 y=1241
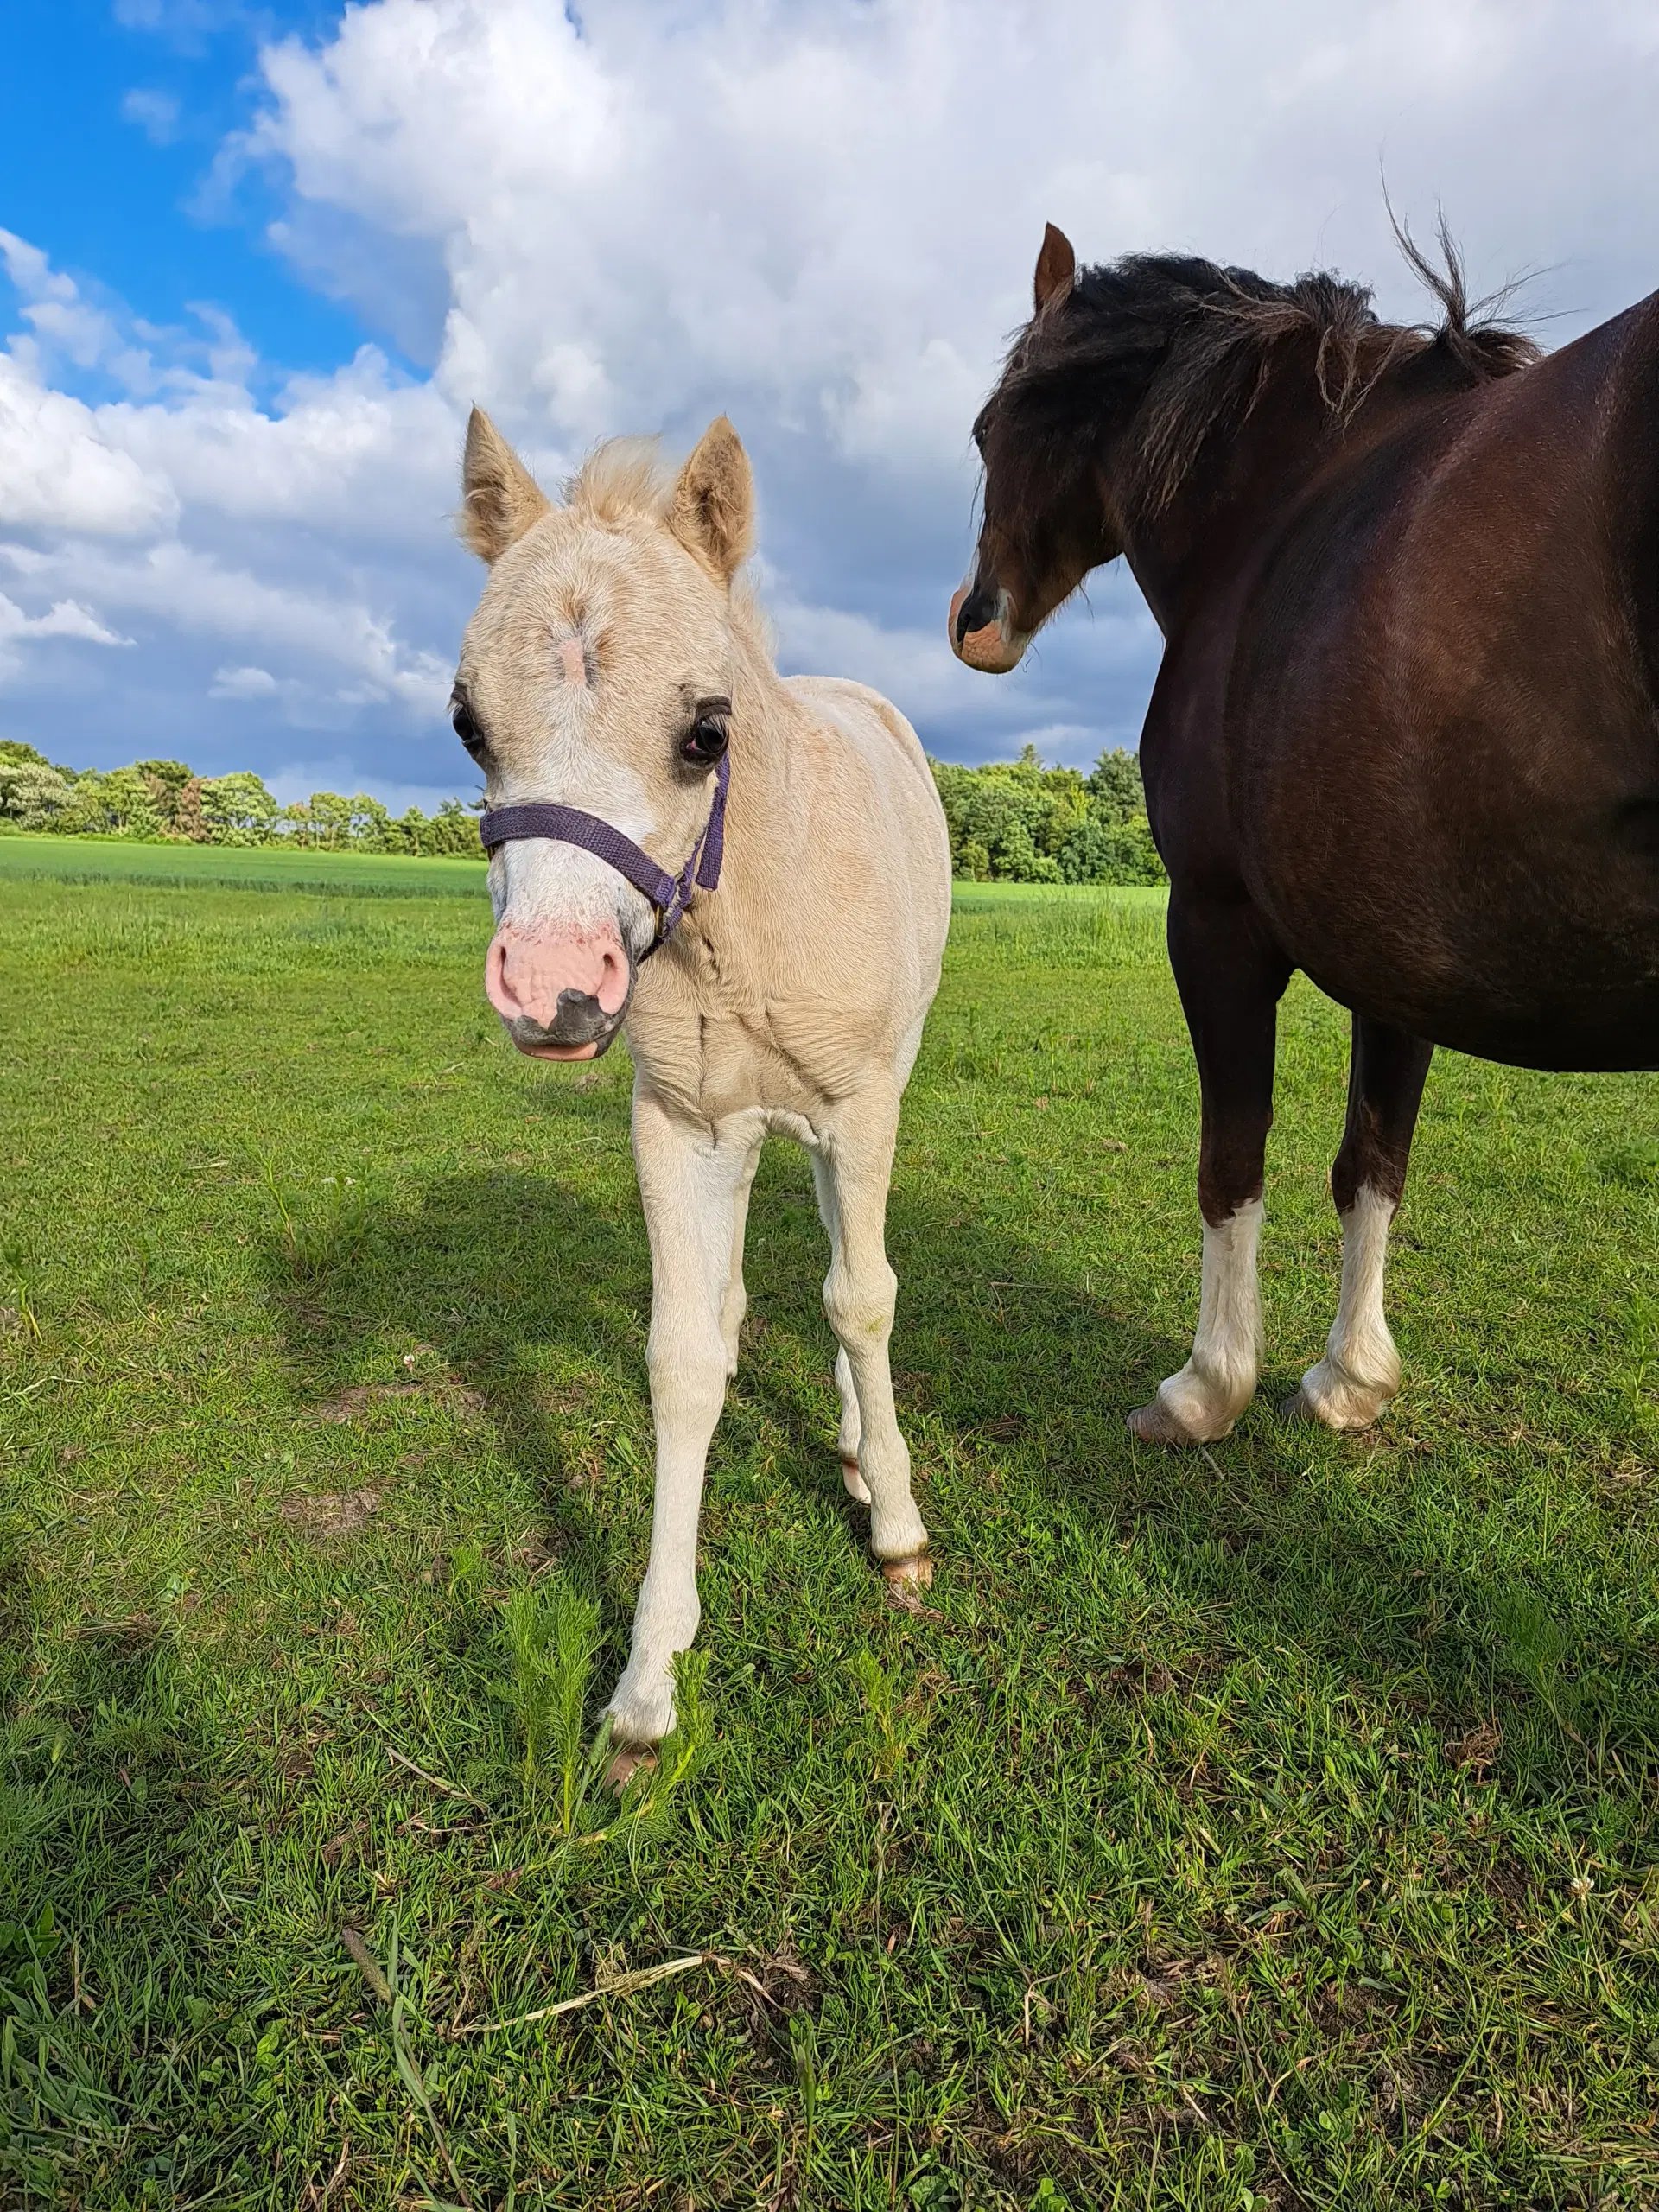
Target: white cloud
x=60 y=472
x=243 y=684
x=155 y=113
x=64 y=618
x=819 y=214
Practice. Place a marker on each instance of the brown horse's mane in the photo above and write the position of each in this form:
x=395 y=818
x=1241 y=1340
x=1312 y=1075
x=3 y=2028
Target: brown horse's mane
x=1186 y=345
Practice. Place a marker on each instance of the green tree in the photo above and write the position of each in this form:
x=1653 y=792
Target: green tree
x=1115 y=791
x=14 y=751
x=1016 y=820
x=120 y=804
x=239 y=809
x=33 y=794
x=453 y=829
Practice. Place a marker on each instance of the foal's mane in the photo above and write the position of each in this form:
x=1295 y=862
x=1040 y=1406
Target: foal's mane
x=621 y=477
x=1201 y=343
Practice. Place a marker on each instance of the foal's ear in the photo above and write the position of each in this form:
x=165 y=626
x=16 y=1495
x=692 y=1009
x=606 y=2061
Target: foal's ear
x=712 y=513
x=1057 y=268
x=500 y=497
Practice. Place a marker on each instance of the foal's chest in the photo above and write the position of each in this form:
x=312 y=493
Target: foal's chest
x=789 y=1057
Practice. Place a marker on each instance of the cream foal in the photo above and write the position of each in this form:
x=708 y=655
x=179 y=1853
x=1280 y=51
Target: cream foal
x=610 y=666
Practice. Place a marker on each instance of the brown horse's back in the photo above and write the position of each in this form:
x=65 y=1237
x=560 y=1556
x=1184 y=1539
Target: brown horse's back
x=1441 y=741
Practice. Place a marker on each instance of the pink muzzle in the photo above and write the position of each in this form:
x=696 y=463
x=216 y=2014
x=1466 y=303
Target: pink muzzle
x=562 y=994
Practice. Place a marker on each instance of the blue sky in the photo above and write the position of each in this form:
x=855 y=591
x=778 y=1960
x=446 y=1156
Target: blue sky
x=258 y=260
x=111 y=119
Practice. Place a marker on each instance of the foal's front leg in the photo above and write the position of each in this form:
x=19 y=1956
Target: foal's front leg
x=689 y=1185
x=1360 y=1371
x=1230 y=978
x=852 y=1167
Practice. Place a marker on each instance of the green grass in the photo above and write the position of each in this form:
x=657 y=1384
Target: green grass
x=256 y=868
x=1273 y=1827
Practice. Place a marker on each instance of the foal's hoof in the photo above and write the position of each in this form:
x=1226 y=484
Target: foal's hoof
x=1344 y=1410
x=857 y=1488
x=626 y=1761
x=915 y=1572
x=1155 y=1424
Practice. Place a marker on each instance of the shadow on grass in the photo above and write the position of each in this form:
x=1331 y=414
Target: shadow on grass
x=112 y=1790
x=535 y=1296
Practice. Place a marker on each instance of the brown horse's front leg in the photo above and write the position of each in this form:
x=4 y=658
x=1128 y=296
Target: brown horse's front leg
x=1360 y=1371
x=1231 y=978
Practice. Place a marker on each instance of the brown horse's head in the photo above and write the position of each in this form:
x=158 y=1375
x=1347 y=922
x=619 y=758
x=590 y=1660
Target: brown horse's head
x=1043 y=524
x=1104 y=433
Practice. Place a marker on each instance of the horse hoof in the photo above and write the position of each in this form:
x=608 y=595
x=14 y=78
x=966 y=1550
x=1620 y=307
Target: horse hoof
x=857 y=1488
x=1357 y=1411
x=1155 y=1424
x=913 y=1573
x=626 y=1761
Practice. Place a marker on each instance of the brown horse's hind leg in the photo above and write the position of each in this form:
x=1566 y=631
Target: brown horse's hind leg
x=1360 y=1371
x=1231 y=978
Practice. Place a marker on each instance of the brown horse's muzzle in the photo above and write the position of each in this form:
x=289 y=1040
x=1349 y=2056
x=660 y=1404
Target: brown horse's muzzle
x=977 y=635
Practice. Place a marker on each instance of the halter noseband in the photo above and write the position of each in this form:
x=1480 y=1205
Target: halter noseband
x=669 y=894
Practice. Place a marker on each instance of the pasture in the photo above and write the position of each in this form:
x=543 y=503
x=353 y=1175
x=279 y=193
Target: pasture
x=1272 y=1826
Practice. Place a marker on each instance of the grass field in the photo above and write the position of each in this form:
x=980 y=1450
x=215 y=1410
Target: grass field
x=1276 y=1827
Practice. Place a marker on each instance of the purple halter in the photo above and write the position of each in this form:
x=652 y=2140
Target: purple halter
x=669 y=894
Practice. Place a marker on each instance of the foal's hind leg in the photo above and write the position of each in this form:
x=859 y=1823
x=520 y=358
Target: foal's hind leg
x=849 y=1433
x=1360 y=1371
x=1231 y=979
x=852 y=1166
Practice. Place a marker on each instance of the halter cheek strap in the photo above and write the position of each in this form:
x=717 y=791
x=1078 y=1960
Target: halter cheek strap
x=669 y=894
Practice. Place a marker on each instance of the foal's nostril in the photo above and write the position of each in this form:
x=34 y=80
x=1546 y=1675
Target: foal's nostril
x=614 y=982
x=580 y=1019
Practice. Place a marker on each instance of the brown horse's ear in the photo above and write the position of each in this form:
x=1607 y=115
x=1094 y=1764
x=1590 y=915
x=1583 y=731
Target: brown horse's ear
x=500 y=497
x=712 y=513
x=1057 y=269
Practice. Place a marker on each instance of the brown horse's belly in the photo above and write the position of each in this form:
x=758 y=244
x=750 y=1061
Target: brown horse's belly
x=1532 y=984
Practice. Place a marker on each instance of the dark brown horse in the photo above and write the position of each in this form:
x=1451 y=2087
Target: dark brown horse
x=1405 y=735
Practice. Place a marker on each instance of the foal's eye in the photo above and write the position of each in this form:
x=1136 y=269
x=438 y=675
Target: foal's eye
x=466 y=730
x=706 y=740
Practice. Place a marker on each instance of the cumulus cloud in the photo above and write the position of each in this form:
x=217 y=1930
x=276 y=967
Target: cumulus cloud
x=820 y=215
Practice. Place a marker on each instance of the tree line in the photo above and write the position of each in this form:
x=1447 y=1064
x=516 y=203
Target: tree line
x=163 y=801
x=1010 y=821
x=1017 y=822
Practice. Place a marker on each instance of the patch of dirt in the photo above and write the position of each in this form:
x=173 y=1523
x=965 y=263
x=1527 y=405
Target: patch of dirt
x=1478 y=1750
x=536 y=1550
x=337 y=1846
x=360 y=1395
x=568 y=1398
x=323 y=1515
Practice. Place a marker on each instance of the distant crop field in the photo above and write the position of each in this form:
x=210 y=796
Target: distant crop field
x=1275 y=1826
x=112 y=860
